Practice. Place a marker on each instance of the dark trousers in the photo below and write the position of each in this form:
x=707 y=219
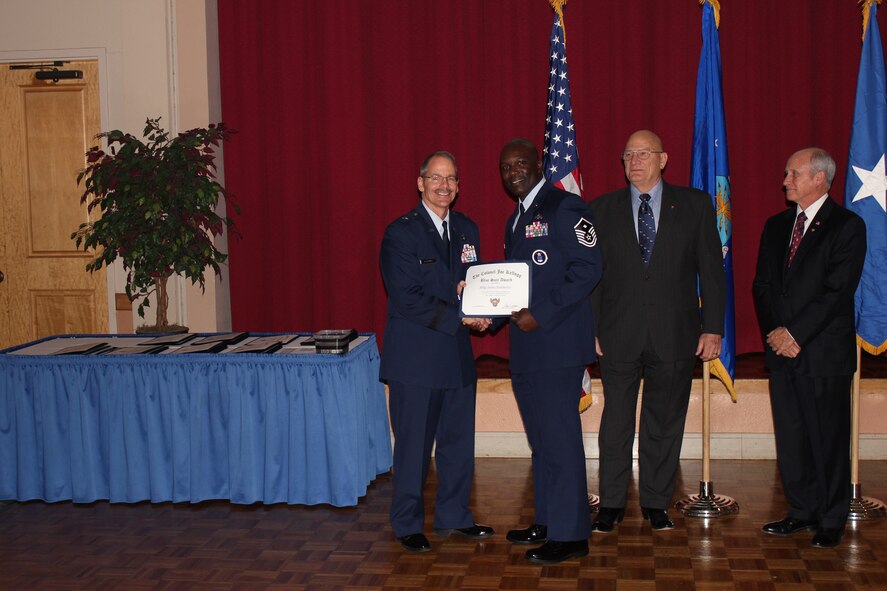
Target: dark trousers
x=663 y=414
x=811 y=421
x=420 y=417
x=549 y=405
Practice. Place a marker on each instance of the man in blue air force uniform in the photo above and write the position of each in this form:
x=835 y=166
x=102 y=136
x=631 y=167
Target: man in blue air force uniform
x=427 y=358
x=552 y=342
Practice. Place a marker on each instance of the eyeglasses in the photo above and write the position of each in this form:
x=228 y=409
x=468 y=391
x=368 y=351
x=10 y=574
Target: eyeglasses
x=641 y=154
x=438 y=179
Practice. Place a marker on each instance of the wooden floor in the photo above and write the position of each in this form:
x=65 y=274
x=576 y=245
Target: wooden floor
x=221 y=546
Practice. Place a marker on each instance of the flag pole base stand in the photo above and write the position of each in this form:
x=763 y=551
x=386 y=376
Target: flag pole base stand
x=865 y=508
x=594 y=503
x=707 y=504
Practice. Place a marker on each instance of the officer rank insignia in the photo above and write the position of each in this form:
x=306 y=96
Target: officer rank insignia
x=469 y=254
x=585 y=233
x=536 y=229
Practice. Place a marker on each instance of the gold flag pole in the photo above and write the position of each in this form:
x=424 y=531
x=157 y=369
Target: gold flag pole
x=707 y=503
x=861 y=508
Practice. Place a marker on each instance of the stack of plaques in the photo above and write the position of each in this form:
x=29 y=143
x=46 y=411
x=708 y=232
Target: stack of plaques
x=333 y=341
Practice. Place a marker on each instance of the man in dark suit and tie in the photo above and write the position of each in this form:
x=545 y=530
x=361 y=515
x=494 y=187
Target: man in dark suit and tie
x=659 y=242
x=427 y=358
x=551 y=343
x=809 y=264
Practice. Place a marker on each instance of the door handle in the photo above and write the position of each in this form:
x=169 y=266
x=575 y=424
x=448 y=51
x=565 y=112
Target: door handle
x=1 y=276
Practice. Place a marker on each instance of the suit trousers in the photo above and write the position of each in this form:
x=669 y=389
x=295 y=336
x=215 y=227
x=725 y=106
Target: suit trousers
x=421 y=416
x=663 y=414
x=811 y=422
x=548 y=400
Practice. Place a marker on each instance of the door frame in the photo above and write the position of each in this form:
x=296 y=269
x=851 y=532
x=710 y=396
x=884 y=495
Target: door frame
x=87 y=53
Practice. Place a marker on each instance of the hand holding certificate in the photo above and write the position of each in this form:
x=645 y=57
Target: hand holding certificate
x=496 y=289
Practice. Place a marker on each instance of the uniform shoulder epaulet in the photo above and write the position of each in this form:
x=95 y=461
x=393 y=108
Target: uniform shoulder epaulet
x=408 y=217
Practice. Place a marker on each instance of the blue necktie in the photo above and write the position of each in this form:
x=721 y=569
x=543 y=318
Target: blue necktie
x=646 y=229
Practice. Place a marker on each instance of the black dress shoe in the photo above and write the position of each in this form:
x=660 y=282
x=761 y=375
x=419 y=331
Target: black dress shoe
x=607 y=518
x=658 y=518
x=788 y=526
x=827 y=537
x=415 y=543
x=535 y=534
x=552 y=552
x=475 y=532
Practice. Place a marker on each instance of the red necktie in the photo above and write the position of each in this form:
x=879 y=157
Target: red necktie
x=797 y=234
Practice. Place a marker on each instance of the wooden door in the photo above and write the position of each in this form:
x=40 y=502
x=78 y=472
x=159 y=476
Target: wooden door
x=45 y=129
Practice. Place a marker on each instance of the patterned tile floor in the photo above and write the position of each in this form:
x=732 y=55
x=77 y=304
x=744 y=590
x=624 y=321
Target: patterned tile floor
x=220 y=546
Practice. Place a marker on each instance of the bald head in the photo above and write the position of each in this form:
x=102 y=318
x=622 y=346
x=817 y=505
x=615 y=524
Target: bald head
x=644 y=159
x=645 y=136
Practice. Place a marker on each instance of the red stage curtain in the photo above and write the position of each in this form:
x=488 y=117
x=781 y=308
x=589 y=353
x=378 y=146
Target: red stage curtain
x=337 y=102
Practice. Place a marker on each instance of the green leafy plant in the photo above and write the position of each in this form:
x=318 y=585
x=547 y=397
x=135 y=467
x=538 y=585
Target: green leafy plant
x=157 y=202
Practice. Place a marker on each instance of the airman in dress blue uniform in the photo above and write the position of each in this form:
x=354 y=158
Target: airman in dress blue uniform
x=552 y=342
x=427 y=359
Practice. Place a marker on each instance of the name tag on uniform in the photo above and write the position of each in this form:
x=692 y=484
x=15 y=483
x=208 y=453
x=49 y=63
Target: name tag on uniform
x=536 y=229
x=427 y=261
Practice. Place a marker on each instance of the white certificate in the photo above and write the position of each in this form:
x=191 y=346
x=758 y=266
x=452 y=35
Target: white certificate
x=496 y=289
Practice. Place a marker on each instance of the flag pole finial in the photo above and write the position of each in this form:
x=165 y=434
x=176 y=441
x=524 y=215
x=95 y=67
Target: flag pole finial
x=558 y=6
x=866 y=4
x=716 y=6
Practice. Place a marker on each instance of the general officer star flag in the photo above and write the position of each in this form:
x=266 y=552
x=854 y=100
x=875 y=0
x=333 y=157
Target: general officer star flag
x=866 y=187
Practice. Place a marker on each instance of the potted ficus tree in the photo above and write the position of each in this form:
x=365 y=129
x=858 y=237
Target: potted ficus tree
x=156 y=202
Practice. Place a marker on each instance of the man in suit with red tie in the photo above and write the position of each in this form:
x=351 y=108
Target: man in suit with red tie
x=809 y=264
x=662 y=254
x=427 y=358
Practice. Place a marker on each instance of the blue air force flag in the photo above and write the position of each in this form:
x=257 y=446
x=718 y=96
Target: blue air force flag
x=710 y=172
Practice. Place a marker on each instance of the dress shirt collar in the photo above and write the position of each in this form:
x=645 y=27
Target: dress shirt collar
x=528 y=200
x=811 y=211
x=655 y=202
x=438 y=223
x=655 y=195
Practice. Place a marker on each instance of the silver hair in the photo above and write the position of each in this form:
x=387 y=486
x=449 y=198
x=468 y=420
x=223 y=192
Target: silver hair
x=822 y=161
x=440 y=153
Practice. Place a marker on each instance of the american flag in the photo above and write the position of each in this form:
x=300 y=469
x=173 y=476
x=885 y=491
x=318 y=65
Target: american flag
x=559 y=154
x=560 y=158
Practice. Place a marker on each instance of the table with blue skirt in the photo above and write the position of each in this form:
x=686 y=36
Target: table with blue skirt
x=249 y=427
